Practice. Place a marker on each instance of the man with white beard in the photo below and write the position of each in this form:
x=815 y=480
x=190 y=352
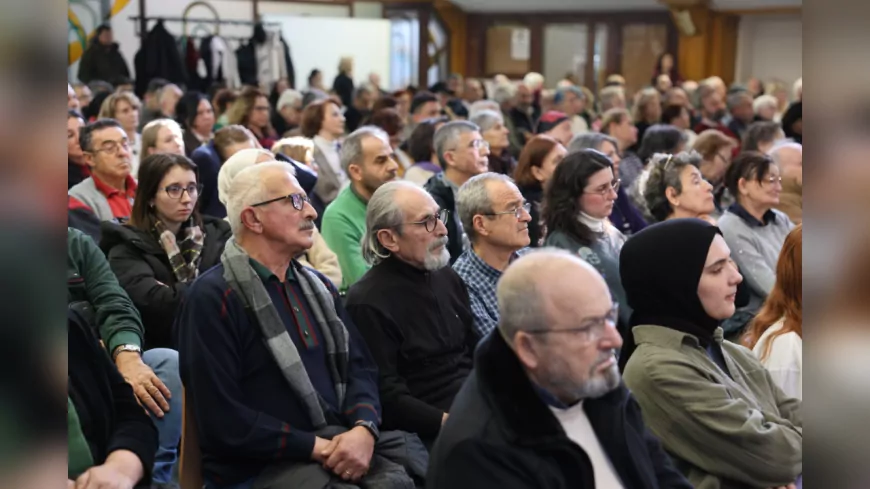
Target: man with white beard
x=412 y=309
x=545 y=407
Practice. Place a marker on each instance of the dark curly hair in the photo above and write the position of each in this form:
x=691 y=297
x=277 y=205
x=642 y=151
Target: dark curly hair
x=562 y=195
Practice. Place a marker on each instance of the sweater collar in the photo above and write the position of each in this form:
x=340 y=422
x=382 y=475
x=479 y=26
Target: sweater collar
x=741 y=212
x=593 y=223
x=396 y=265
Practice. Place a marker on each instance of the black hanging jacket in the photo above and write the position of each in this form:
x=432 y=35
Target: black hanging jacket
x=158 y=58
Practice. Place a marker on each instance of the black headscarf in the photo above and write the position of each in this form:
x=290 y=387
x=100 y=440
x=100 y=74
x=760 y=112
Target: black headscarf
x=660 y=268
x=792 y=114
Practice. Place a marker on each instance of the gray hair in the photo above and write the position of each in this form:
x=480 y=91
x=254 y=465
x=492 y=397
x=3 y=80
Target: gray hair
x=665 y=171
x=764 y=101
x=382 y=212
x=774 y=152
x=249 y=187
x=447 y=137
x=352 y=147
x=364 y=88
x=474 y=199
x=487 y=119
x=734 y=99
x=504 y=92
x=608 y=95
x=590 y=140
x=482 y=105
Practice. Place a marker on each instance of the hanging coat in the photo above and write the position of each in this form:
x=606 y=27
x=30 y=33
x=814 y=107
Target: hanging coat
x=247 y=63
x=220 y=63
x=291 y=72
x=158 y=58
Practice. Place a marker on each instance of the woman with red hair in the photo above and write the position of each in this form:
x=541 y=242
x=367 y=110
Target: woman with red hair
x=775 y=335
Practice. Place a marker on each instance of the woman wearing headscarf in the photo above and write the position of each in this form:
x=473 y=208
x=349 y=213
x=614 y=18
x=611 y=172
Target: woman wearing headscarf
x=715 y=408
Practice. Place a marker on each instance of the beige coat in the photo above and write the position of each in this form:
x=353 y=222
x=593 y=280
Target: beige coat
x=791 y=200
x=322 y=259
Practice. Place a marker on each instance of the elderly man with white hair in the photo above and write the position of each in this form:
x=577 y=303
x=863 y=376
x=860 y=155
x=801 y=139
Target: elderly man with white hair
x=281 y=384
x=789 y=157
x=412 y=309
x=545 y=406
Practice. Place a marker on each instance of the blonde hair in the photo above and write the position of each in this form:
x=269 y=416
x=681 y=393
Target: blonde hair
x=642 y=99
x=151 y=132
x=110 y=105
x=295 y=147
x=345 y=64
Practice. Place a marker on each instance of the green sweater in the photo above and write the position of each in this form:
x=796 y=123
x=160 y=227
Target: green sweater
x=723 y=431
x=343 y=227
x=90 y=279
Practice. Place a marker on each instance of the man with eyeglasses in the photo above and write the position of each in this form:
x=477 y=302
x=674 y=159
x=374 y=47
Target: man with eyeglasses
x=281 y=384
x=368 y=160
x=545 y=406
x=412 y=309
x=496 y=219
x=110 y=190
x=462 y=153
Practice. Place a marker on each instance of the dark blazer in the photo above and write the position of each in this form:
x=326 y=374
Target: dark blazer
x=208 y=165
x=110 y=417
x=343 y=86
x=534 y=195
x=501 y=434
x=191 y=143
x=143 y=270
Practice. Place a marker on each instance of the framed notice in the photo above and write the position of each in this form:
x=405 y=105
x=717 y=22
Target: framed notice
x=521 y=44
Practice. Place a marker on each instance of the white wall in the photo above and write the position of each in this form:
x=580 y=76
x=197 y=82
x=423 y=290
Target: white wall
x=564 y=51
x=770 y=46
x=125 y=29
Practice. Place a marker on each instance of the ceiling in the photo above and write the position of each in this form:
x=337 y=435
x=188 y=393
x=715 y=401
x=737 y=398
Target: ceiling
x=606 y=5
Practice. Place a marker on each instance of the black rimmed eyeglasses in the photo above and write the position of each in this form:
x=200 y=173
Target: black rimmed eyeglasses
x=176 y=191
x=298 y=201
x=431 y=221
x=592 y=330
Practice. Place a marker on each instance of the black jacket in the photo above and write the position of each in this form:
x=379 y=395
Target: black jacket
x=158 y=58
x=246 y=58
x=343 y=86
x=143 y=270
x=443 y=195
x=111 y=418
x=102 y=63
x=534 y=195
x=500 y=434
x=523 y=122
x=422 y=343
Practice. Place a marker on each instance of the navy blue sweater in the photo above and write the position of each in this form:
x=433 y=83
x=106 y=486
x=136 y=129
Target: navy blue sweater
x=246 y=414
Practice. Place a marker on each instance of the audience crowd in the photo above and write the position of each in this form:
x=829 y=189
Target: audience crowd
x=482 y=284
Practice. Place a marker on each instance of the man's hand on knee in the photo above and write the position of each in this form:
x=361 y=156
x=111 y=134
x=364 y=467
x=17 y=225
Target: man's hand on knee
x=350 y=454
x=149 y=389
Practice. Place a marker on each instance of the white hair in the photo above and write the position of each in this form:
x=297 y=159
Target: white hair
x=248 y=187
x=798 y=89
x=504 y=92
x=764 y=101
x=289 y=97
x=533 y=80
x=482 y=105
x=487 y=119
x=235 y=164
x=780 y=145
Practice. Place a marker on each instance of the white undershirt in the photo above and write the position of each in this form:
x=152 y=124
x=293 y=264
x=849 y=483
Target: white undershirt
x=593 y=223
x=579 y=430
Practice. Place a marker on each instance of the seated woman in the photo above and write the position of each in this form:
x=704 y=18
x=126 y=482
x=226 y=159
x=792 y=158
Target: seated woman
x=714 y=407
x=539 y=158
x=210 y=157
x=124 y=107
x=421 y=149
x=577 y=202
x=754 y=229
x=625 y=215
x=251 y=110
x=659 y=138
x=162 y=136
x=775 y=335
x=111 y=441
x=323 y=122
x=716 y=150
x=166 y=244
x=493 y=130
x=195 y=114
x=319 y=257
x=675 y=188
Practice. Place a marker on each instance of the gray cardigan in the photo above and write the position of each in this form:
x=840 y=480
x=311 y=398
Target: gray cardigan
x=87 y=192
x=755 y=247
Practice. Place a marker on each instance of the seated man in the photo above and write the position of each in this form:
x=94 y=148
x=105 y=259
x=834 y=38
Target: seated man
x=93 y=290
x=544 y=406
x=367 y=158
x=280 y=382
x=496 y=218
x=110 y=189
x=412 y=309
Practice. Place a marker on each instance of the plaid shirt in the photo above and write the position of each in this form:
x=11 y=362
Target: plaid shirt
x=480 y=280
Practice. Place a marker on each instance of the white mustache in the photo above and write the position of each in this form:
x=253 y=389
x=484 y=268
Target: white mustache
x=439 y=242
x=306 y=226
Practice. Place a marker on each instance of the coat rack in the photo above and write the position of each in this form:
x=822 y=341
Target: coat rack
x=198 y=23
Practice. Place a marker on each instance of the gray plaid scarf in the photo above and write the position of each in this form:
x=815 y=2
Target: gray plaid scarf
x=244 y=281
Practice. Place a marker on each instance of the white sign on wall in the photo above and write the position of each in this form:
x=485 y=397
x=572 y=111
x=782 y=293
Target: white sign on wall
x=521 y=40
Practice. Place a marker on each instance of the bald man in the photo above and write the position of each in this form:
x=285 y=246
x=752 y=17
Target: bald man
x=789 y=157
x=545 y=406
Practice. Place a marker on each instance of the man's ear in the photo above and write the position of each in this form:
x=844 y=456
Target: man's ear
x=354 y=171
x=89 y=159
x=478 y=223
x=524 y=347
x=251 y=221
x=388 y=239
